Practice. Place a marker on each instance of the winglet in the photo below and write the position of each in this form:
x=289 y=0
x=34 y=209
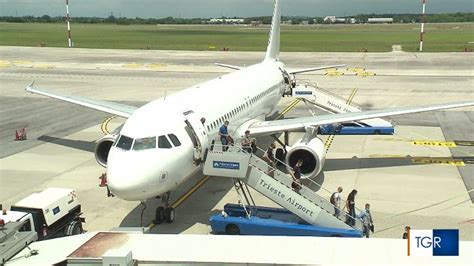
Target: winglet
x=30 y=86
x=273 y=49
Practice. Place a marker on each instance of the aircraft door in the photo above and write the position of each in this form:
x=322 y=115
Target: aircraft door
x=198 y=135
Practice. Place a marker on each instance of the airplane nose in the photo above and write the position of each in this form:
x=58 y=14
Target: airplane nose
x=123 y=185
x=127 y=179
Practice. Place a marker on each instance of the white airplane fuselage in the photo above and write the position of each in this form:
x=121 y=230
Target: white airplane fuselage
x=239 y=97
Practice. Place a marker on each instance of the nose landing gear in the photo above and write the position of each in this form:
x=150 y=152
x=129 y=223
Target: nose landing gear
x=165 y=214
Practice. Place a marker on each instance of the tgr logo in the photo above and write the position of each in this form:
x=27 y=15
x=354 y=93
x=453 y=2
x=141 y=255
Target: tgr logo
x=434 y=242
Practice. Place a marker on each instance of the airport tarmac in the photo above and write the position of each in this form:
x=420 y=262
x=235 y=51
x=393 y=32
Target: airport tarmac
x=424 y=185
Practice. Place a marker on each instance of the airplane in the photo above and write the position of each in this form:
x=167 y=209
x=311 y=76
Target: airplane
x=163 y=143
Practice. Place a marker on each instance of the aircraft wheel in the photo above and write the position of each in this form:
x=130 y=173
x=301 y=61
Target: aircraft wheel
x=159 y=215
x=169 y=214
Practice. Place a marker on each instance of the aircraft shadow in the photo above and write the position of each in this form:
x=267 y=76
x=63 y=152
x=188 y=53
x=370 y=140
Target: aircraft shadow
x=75 y=144
x=194 y=211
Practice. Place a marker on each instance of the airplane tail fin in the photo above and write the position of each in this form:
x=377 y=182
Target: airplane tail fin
x=273 y=49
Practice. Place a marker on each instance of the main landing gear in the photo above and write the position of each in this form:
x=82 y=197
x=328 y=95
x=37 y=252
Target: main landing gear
x=167 y=213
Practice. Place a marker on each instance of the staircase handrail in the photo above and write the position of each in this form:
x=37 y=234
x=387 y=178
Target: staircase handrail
x=324 y=203
x=313 y=182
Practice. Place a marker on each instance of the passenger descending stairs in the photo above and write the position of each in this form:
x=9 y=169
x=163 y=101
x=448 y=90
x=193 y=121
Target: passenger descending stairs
x=275 y=185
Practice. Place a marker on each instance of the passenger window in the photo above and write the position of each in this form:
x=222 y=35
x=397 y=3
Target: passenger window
x=144 y=144
x=175 y=140
x=125 y=143
x=164 y=143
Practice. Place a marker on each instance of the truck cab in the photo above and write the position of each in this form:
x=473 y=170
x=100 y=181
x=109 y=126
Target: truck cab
x=51 y=213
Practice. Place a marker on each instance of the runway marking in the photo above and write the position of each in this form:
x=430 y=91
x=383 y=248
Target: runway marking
x=154 y=66
x=365 y=74
x=428 y=206
x=449 y=144
x=104 y=125
x=288 y=108
x=188 y=193
x=333 y=73
x=441 y=161
x=387 y=156
x=355 y=69
x=4 y=63
x=185 y=196
x=132 y=65
x=44 y=66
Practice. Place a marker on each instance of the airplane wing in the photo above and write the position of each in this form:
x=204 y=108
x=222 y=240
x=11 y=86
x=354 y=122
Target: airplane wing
x=293 y=124
x=118 y=109
x=304 y=70
x=228 y=66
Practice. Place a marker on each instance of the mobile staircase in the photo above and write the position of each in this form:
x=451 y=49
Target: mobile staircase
x=249 y=169
x=329 y=102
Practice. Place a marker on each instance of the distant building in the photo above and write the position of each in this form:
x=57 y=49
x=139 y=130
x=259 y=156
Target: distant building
x=352 y=21
x=380 y=20
x=255 y=23
x=287 y=22
x=226 y=21
x=304 y=22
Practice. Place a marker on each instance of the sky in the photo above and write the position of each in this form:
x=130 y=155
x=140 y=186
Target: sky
x=229 y=8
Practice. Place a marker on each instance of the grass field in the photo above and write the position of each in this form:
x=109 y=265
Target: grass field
x=317 y=38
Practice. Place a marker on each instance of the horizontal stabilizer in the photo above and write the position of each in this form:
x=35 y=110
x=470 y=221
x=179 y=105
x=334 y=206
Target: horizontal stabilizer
x=228 y=66
x=312 y=69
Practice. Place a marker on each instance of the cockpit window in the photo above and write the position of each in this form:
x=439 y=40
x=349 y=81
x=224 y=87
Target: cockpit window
x=125 y=142
x=144 y=144
x=175 y=139
x=163 y=143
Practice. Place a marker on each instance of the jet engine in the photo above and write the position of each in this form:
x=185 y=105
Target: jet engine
x=313 y=154
x=103 y=146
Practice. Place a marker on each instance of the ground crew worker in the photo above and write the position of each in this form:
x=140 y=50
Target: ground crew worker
x=223 y=134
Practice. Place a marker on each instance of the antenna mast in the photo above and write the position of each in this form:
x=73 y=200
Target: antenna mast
x=423 y=20
x=69 y=41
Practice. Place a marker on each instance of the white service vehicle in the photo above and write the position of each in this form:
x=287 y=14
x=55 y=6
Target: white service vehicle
x=51 y=213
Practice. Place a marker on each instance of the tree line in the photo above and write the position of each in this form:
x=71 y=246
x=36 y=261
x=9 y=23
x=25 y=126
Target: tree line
x=362 y=18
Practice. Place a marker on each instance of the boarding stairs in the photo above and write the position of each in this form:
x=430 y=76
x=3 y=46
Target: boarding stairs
x=329 y=102
x=276 y=185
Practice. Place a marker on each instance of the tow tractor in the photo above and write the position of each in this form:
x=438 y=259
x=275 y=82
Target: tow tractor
x=237 y=220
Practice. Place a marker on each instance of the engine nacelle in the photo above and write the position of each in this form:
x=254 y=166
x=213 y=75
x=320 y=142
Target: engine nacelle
x=102 y=149
x=313 y=154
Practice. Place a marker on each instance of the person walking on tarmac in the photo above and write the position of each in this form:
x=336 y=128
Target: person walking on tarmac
x=296 y=185
x=366 y=217
x=224 y=134
x=350 y=205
